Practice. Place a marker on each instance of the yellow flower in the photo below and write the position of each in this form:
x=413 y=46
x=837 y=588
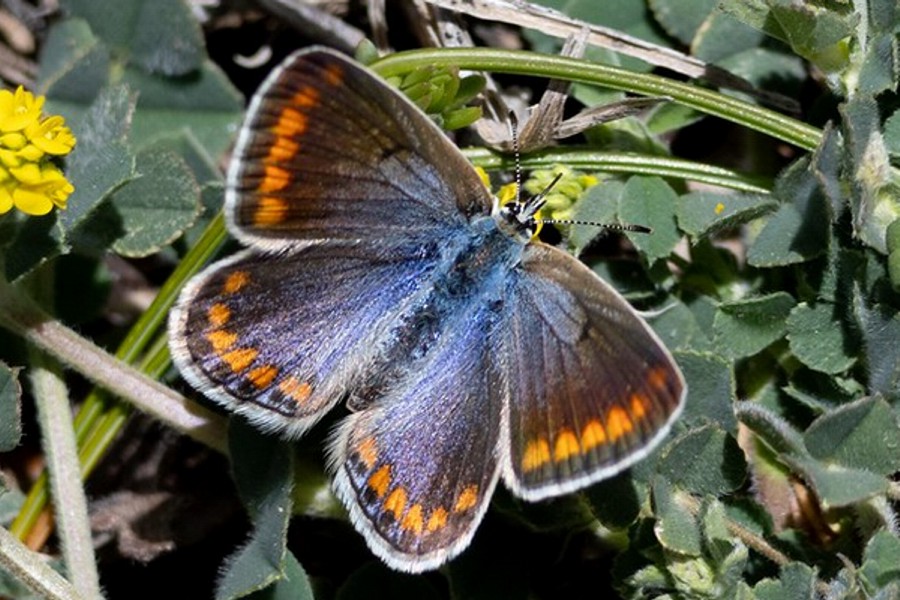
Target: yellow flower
x=29 y=179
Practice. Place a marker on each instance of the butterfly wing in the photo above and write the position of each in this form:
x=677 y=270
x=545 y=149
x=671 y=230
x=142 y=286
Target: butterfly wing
x=417 y=468
x=329 y=152
x=591 y=389
x=291 y=333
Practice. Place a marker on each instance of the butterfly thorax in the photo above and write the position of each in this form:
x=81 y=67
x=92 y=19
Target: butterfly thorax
x=466 y=289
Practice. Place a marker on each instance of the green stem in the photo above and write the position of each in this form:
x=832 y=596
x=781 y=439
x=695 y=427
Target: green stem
x=70 y=503
x=29 y=568
x=23 y=318
x=624 y=162
x=100 y=419
x=533 y=64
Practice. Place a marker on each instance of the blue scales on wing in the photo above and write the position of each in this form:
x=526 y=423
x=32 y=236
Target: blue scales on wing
x=418 y=466
x=293 y=335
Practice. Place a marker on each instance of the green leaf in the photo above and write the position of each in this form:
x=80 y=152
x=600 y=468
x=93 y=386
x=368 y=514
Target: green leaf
x=706 y=460
x=745 y=327
x=598 y=205
x=828 y=166
x=892 y=133
x=679 y=329
x=878 y=72
x=862 y=435
x=813 y=31
x=35 y=242
x=797 y=582
x=817 y=338
x=263 y=473
x=800 y=228
x=10 y=408
x=838 y=486
x=681 y=19
x=158 y=206
x=772 y=429
x=676 y=528
x=704 y=213
x=162 y=36
x=722 y=35
x=74 y=65
x=293 y=585
x=881 y=561
x=711 y=390
x=100 y=163
x=875 y=195
x=203 y=101
x=200 y=100
x=879 y=330
x=728 y=555
x=649 y=201
x=615 y=502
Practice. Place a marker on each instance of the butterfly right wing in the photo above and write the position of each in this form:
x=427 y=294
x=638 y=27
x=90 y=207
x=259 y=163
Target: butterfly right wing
x=291 y=333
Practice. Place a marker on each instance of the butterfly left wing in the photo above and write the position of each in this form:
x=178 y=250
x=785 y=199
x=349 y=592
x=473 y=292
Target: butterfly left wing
x=416 y=468
x=591 y=389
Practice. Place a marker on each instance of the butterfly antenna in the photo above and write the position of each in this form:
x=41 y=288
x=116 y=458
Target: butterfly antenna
x=538 y=201
x=514 y=132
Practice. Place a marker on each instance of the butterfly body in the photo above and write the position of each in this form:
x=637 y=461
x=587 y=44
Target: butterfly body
x=381 y=273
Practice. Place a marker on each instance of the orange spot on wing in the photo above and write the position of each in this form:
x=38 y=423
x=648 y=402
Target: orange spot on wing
x=566 y=446
x=537 y=453
x=719 y=208
x=221 y=340
x=467 y=499
x=282 y=150
x=659 y=378
x=380 y=480
x=235 y=281
x=291 y=122
x=270 y=210
x=240 y=359
x=307 y=97
x=638 y=406
x=297 y=390
x=396 y=502
x=617 y=423
x=368 y=452
x=334 y=74
x=413 y=520
x=437 y=520
x=218 y=314
x=262 y=376
x=592 y=435
x=275 y=179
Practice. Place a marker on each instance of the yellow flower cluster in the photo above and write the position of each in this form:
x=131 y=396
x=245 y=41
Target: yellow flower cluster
x=29 y=180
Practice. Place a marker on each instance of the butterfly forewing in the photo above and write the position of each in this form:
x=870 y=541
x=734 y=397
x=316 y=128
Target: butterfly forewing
x=329 y=153
x=591 y=389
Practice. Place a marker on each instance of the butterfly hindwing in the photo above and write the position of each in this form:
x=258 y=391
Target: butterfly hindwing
x=591 y=389
x=418 y=466
x=330 y=153
x=281 y=338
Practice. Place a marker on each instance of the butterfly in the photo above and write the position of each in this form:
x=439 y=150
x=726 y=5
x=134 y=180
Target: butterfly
x=380 y=272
